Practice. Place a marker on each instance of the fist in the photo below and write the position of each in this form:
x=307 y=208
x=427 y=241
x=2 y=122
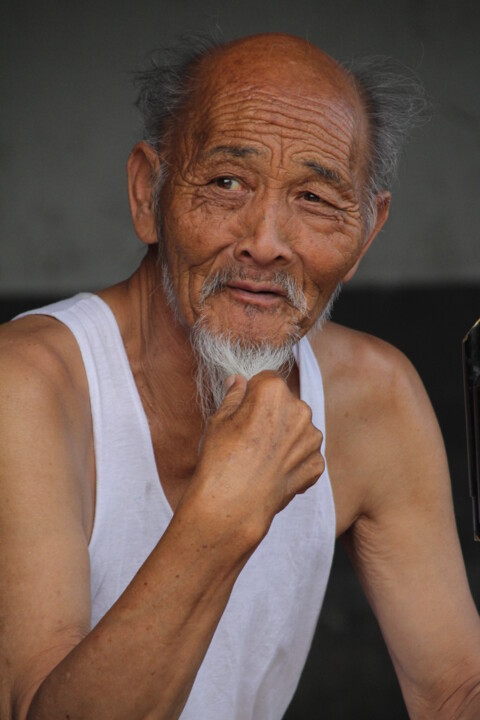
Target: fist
x=259 y=450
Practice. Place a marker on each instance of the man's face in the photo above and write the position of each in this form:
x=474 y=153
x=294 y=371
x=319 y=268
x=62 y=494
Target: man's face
x=263 y=194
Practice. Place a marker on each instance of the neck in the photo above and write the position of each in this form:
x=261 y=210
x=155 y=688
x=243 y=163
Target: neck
x=158 y=347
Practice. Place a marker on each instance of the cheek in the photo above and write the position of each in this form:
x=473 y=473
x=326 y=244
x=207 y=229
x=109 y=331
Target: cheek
x=196 y=244
x=195 y=235
x=326 y=259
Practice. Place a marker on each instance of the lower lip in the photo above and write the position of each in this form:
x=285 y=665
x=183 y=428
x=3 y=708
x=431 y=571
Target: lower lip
x=256 y=298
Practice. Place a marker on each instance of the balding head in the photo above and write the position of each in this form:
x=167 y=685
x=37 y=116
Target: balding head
x=279 y=58
x=286 y=66
x=289 y=63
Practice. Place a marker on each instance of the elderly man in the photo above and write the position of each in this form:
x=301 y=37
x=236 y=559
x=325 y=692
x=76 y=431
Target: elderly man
x=167 y=518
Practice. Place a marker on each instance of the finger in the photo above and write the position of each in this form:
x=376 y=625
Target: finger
x=267 y=377
x=236 y=386
x=305 y=476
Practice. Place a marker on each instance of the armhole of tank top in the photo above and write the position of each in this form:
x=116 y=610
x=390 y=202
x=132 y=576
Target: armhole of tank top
x=315 y=367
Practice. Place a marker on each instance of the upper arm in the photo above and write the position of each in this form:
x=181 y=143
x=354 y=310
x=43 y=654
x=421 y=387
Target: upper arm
x=44 y=565
x=404 y=543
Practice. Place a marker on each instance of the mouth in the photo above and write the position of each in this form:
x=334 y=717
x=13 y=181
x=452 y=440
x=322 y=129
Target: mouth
x=260 y=294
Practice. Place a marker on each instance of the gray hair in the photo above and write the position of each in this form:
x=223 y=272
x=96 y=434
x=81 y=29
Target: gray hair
x=393 y=98
x=395 y=104
x=166 y=84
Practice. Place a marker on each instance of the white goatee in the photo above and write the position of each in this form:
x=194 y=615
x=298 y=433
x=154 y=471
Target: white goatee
x=219 y=356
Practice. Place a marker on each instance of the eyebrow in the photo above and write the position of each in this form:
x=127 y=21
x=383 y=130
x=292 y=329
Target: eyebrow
x=238 y=151
x=331 y=176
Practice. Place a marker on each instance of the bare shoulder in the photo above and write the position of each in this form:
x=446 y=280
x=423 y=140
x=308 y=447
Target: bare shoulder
x=44 y=394
x=376 y=411
x=40 y=340
x=351 y=356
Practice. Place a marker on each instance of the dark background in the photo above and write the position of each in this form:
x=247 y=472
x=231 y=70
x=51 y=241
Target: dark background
x=66 y=126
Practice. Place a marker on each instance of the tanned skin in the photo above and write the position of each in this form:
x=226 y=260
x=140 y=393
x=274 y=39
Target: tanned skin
x=246 y=187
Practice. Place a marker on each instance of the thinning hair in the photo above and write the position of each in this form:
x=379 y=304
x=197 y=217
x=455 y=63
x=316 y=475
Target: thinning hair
x=167 y=83
x=395 y=103
x=393 y=98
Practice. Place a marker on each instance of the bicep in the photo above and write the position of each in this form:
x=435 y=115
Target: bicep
x=406 y=551
x=44 y=564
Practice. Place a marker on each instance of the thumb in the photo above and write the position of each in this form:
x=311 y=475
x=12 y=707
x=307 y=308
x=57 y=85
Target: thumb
x=235 y=387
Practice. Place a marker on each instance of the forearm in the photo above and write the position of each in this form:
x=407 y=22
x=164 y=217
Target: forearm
x=143 y=656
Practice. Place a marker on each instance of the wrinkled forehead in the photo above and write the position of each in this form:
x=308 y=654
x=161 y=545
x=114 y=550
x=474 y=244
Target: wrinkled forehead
x=278 y=83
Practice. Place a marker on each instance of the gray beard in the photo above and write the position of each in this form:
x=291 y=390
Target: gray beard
x=219 y=355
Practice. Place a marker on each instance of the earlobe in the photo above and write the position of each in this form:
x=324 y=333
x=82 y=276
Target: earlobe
x=142 y=167
x=383 y=207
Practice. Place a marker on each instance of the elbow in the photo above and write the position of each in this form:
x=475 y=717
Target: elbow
x=469 y=704
x=463 y=703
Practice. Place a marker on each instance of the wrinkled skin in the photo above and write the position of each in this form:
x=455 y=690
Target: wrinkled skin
x=265 y=174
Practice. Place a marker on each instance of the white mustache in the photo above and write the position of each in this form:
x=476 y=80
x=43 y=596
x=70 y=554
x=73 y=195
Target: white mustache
x=282 y=279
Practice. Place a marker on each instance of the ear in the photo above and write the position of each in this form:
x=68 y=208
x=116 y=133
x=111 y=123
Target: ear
x=383 y=207
x=142 y=167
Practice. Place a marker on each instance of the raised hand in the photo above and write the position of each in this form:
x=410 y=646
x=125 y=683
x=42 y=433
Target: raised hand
x=259 y=450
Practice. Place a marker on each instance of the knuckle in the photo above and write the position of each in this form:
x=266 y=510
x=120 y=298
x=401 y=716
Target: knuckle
x=305 y=411
x=267 y=382
x=316 y=464
x=321 y=463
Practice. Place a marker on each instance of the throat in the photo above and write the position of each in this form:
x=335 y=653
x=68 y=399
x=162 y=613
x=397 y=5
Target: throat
x=176 y=427
x=176 y=456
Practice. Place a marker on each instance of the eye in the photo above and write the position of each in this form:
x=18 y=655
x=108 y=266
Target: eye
x=311 y=197
x=226 y=183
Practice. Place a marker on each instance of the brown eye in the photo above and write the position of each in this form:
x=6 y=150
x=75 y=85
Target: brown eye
x=311 y=197
x=226 y=183
x=317 y=200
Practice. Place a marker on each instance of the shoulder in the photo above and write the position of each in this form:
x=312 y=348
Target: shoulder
x=347 y=355
x=44 y=407
x=39 y=354
x=365 y=378
x=380 y=426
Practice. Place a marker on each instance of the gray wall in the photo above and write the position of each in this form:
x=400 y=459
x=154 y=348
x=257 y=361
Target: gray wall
x=67 y=124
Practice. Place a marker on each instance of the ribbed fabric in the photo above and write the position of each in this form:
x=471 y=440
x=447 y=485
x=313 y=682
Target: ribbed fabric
x=255 y=659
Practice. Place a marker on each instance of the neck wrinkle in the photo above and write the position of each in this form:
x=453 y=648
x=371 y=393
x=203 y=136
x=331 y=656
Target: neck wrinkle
x=158 y=349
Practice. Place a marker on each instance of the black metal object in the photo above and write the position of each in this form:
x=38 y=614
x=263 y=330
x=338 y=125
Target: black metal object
x=471 y=376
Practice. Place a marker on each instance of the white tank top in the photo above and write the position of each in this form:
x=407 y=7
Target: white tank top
x=256 y=656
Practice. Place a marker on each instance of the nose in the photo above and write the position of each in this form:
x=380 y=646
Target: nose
x=265 y=242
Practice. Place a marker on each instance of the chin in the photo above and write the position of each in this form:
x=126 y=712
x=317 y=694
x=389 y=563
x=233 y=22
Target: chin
x=257 y=329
